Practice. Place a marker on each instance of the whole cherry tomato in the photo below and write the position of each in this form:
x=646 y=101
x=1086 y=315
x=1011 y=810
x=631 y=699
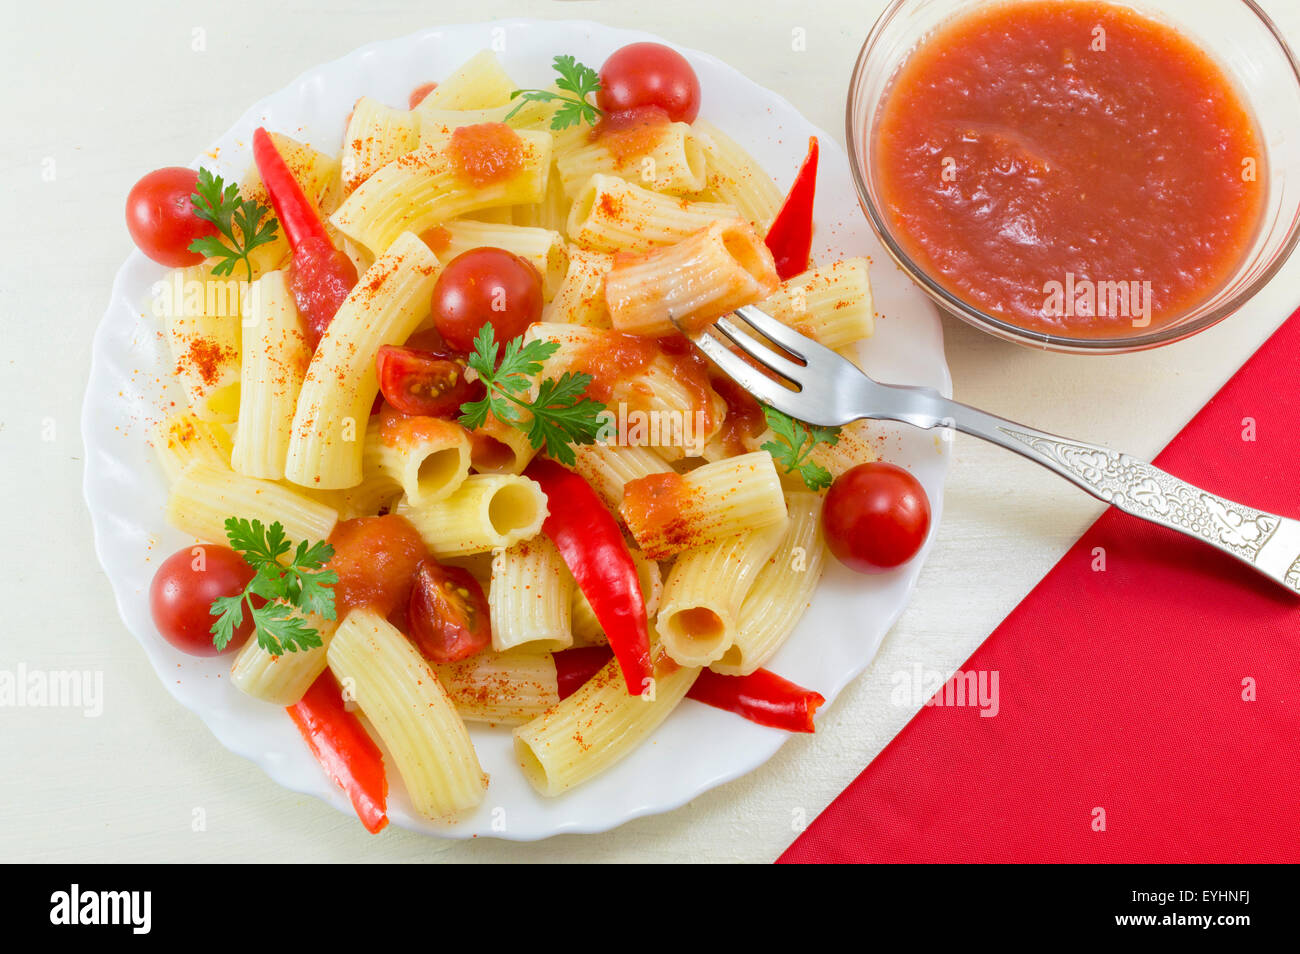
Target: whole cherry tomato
x=486 y=286
x=649 y=74
x=876 y=517
x=161 y=219
x=182 y=592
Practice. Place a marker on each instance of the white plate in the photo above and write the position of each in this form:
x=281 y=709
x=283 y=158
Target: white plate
x=698 y=747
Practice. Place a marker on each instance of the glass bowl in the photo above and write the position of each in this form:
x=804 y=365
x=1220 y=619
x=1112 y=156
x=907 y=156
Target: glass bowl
x=1248 y=47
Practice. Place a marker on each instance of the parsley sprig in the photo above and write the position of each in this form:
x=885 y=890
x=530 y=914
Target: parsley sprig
x=560 y=415
x=238 y=220
x=794 y=442
x=291 y=590
x=575 y=78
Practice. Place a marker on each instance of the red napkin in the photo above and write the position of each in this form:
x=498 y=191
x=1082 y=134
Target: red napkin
x=1159 y=697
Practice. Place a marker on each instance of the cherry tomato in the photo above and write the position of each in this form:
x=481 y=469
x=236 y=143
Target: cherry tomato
x=418 y=94
x=182 y=592
x=649 y=74
x=486 y=286
x=161 y=219
x=320 y=278
x=376 y=559
x=424 y=381
x=447 y=617
x=876 y=517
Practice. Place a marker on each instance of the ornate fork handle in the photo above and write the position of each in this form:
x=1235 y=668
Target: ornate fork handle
x=1265 y=541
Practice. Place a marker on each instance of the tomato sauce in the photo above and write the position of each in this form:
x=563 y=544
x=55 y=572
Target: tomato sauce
x=658 y=507
x=615 y=358
x=375 y=558
x=1073 y=168
x=631 y=133
x=486 y=153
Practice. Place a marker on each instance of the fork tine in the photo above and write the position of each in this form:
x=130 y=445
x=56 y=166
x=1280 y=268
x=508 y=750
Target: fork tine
x=798 y=345
x=758 y=350
x=746 y=375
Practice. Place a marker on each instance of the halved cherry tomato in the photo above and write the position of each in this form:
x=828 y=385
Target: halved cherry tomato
x=182 y=592
x=447 y=617
x=418 y=94
x=649 y=74
x=486 y=286
x=428 y=383
x=160 y=216
x=376 y=559
x=876 y=517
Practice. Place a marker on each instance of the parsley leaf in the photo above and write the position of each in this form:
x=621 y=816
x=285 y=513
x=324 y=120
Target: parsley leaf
x=238 y=220
x=575 y=78
x=560 y=415
x=290 y=590
x=795 y=441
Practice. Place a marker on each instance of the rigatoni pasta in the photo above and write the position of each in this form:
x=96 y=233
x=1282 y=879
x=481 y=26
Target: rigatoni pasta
x=274 y=363
x=702 y=597
x=437 y=182
x=411 y=712
x=781 y=591
x=597 y=726
x=692 y=283
x=669 y=513
x=486 y=512
x=205 y=495
x=531 y=597
x=333 y=410
x=610 y=214
x=427 y=457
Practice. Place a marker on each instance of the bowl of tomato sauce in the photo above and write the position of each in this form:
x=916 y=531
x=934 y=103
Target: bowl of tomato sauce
x=1088 y=176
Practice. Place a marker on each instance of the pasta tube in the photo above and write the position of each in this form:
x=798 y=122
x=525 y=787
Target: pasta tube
x=702 y=596
x=610 y=215
x=184 y=438
x=502 y=688
x=735 y=178
x=275 y=359
x=399 y=694
x=695 y=281
x=376 y=135
x=598 y=725
x=530 y=598
x=660 y=157
x=282 y=680
x=831 y=304
x=487 y=511
x=432 y=184
x=427 y=457
x=205 y=495
x=669 y=513
x=386 y=306
x=781 y=591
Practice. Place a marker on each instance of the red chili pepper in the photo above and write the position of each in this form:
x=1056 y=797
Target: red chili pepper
x=342 y=747
x=321 y=276
x=592 y=545
x=762 y=697
x=790 y=235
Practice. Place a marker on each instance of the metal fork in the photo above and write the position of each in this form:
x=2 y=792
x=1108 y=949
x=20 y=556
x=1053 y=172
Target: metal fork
x=829 y=390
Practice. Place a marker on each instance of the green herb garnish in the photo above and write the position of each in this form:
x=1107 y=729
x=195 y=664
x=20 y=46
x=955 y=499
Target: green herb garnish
x=291 y=589
x=576 y=79
x=795 y=441
x=239 y=220
x=560 y=415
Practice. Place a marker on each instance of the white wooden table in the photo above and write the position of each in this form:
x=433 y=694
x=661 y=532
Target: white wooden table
x=100 y=94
